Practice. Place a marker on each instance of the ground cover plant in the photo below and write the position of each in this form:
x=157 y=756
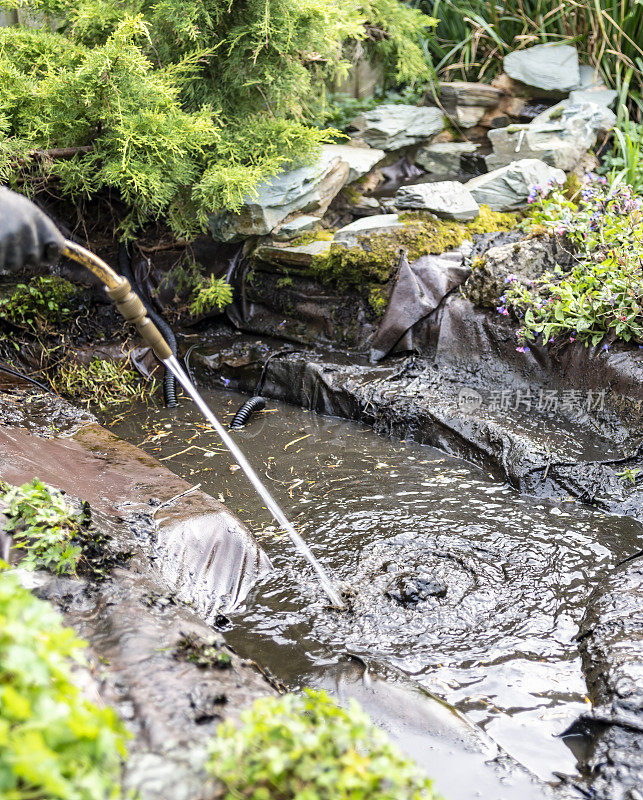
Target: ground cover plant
x=181 y=107
x=601 y=296
x=54 y=743
x=42 y=305
x=44 y=524
x=306 y=747
x=102 y=383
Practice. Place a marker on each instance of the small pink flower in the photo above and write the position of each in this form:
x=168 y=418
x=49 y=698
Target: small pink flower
x=572 y=338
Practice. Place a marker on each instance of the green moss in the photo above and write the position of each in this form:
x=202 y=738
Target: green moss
x=352 y=194
x=325 y=235
x=378 y=298
x=489 y=221
x=376 y=256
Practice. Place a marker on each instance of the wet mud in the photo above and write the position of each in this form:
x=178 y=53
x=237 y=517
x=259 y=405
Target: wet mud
x=459 y=586
x=171 y=564
x=544 y=440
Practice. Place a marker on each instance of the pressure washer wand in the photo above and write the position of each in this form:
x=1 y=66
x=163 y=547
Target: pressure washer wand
x=131 y=307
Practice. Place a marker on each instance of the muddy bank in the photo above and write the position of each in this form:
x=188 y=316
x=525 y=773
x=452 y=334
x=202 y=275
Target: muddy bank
x=611 y=643
x=175 y=563
x=547 y=441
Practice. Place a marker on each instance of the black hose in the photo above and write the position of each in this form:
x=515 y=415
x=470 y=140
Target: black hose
x=257 y=403
x=246 y=411
x=24 y=377
x=169 y=381
x=186 y=363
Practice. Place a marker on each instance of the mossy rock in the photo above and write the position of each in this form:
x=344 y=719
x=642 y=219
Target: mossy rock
x=375 y=258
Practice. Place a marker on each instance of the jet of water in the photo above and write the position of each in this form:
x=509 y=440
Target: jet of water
x=177 y=370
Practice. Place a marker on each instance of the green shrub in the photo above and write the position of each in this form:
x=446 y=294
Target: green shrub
x=603 y=292
x=54 y=744
x=43 y=524
x=211 y=293
x=183 y=106
x=42 y=305
x=306 y=747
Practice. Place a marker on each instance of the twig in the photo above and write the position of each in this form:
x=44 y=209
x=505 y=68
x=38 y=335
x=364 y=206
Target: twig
x=176 y=497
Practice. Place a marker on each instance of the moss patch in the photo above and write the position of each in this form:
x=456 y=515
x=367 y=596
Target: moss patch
x=378 y=298
x=489 y=221
x=312 y=236
x=375 y=258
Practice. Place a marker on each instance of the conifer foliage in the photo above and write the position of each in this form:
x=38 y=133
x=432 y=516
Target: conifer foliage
x=183 y=106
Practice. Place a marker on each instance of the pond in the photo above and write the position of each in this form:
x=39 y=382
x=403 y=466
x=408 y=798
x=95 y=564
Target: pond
x=457 y=583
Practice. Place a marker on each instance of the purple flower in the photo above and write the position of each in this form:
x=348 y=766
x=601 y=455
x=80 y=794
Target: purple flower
x=510 y=278
x=606 y=347
x=502 y=310
x=522 y=349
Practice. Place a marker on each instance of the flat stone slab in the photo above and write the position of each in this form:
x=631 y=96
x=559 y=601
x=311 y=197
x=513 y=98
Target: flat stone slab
x=349 y=235
x=360 y=160
x=296 y=255
x=552 y=67
x=309 y=188
x=507 y=188
x=602 y=97
x=445 y=199
x=295 y=227
x=391 y=126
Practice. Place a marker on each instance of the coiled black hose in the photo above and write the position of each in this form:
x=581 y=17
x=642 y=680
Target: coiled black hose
x=246 y=411
x=257 y=403
x=169 y=381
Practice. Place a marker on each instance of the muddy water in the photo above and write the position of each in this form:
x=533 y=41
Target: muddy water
x=455 y=580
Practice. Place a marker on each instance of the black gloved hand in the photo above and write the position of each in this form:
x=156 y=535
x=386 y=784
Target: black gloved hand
x=28 y=238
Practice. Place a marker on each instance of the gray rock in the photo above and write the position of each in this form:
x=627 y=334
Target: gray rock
x=446 y=199
x=444 y=158
x=308 y=188
x=392 y=126
x=560 y=136
x=349 y=235
x=359 y=159
x=602 y=97
x=553 y=67
x=295 y=227
x=589 y=77
x=292 y=256
x=464 y=93
x=467 y=103
x=507 y=188
x=526 y=259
